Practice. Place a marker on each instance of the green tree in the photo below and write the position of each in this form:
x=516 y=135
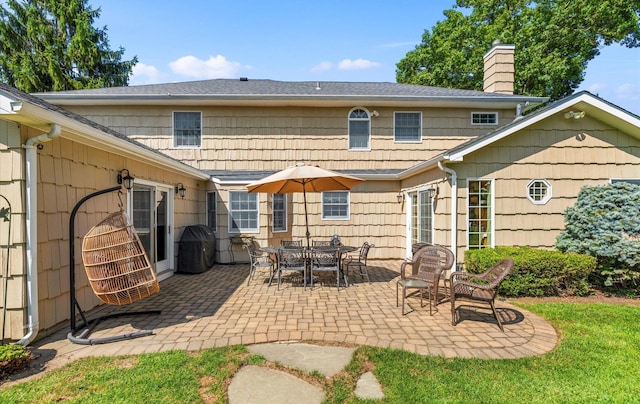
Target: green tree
x=554 y=39
x=52 y=45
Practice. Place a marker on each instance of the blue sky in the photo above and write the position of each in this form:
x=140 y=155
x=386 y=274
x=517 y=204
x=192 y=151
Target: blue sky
x=300 y=40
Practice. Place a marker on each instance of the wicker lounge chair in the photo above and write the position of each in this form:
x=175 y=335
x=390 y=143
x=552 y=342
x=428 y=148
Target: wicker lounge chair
x=429 y=264
x=479 y=288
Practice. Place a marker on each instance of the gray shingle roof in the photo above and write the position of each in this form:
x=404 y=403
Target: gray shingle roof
x=272 y=88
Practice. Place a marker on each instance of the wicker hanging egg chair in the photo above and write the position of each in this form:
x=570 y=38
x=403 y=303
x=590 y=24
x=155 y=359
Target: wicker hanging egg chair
x=116 y=263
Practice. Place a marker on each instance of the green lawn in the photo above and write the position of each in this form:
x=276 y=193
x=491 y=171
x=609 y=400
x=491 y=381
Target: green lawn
x=597 y=360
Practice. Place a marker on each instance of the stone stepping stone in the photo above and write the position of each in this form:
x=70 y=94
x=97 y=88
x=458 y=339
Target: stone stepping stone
x=327 y=360
x=368 y=387
x=256 y=384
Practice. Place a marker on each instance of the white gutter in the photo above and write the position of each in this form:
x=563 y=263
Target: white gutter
x=454 y=210
x=31 y=177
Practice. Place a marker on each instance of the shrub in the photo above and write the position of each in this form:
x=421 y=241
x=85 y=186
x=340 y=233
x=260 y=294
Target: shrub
x=536 y=272
x=605 y=223
x=13 y=358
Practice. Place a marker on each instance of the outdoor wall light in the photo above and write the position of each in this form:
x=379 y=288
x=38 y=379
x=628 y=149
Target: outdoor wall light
x=574 y=115
x=181 y=190
x=400 y=197
x=126 y=178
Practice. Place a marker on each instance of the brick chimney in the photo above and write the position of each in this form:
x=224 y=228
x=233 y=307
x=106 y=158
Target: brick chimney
x=499 y=68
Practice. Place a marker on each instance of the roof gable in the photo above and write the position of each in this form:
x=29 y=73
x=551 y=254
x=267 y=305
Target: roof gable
x=582 y=101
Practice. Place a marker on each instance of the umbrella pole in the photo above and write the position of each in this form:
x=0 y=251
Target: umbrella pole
x=306 y=218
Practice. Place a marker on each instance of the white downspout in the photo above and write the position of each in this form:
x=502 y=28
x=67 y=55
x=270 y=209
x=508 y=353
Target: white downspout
x=454 y=211
x=31 y=178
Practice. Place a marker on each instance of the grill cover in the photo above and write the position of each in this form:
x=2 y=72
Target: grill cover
x=197 y=249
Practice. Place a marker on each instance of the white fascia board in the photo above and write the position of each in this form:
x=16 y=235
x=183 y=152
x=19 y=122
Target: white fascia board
x=218 y=181
x=421 y=167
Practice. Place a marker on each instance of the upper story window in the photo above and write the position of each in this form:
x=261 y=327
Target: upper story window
x=539 y=191
x=407 y=126
x=243 y=212
x=484 y=118
x=279 y=212
x=212 y=210
x=359 y=130
x=335 y=205
x=187 y=129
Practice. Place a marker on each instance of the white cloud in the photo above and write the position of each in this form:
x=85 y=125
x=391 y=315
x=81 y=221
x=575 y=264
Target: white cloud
x=217 y=67
x=628 y=91
x=358 y=64
x=146 y=74
x=323 y=66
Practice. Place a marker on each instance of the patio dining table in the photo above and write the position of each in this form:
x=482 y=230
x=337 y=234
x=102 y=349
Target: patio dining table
x=339 y=249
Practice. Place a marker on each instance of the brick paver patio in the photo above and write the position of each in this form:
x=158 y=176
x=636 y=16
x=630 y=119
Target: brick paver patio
x=217 y=308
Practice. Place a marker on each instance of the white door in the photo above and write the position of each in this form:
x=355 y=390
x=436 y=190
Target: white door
x=419 y=218
x=152 y=216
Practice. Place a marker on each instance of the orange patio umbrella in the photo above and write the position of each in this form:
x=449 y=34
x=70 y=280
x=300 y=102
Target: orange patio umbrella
x=304 y=178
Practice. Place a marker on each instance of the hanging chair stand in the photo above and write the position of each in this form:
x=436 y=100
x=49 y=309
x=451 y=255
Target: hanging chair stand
x=80 y=335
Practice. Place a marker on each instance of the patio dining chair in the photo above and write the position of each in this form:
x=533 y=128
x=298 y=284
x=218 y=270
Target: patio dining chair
x=358 y=261
x=291 y=243
x=258 y=260
x=479 y=288
x=325 y=261
x=320 y=243
x=291 y=260
x=428 y=265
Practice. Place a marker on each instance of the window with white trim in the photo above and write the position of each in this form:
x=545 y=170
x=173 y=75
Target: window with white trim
x=335 y=205
x=634 y=181
x=359 y=130
x=187 y=129
x=279 y=212
x=407 y=126
x=484 y=118
x=480 y=214
x=243 y=212
x=539 y=191
x=422 y=216
x=212 y=210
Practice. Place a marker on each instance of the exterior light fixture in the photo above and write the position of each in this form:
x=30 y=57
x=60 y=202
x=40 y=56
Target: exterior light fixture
x=126 y=178
x=574 y=115
x=181 y=190
x=400 y=197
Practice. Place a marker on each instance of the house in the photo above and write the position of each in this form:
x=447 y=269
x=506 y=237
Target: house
x=465 y=169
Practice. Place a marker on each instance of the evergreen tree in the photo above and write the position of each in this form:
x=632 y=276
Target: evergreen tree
x=52 y=45
x=605 y=223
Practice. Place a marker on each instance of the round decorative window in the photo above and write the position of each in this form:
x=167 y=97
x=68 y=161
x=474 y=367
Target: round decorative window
x=539 y=191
